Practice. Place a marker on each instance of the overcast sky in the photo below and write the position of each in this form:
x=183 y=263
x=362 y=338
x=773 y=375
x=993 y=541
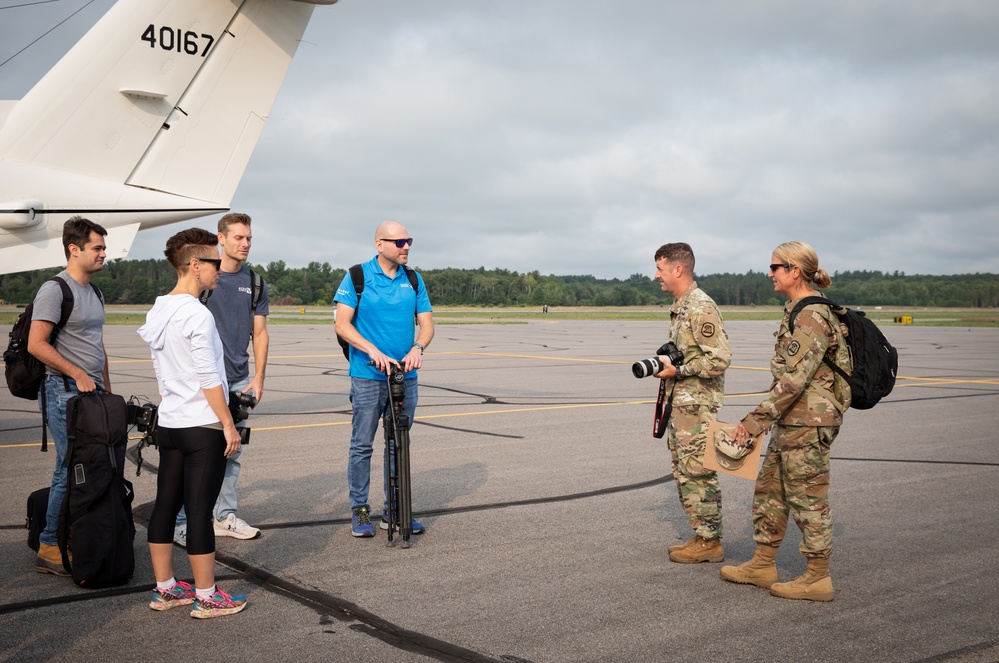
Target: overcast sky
x=575 y=137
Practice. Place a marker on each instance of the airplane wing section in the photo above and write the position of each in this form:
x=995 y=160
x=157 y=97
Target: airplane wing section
x=205 y=144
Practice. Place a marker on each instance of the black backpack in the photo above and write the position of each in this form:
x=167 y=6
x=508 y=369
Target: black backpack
x=357 y=276
x=95 y=523
x=23 y=371
x=875 y=360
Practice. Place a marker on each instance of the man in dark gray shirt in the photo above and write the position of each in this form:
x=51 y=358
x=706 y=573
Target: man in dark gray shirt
x=76 y=360
x=240 y=326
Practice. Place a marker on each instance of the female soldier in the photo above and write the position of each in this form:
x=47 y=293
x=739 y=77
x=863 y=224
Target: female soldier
x=196 y=433
x=805 y=410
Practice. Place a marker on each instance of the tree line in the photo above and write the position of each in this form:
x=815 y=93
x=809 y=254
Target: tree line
x=141 y=281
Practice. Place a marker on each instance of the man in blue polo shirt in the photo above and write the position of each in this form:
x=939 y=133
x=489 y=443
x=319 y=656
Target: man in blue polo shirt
x=381 y=333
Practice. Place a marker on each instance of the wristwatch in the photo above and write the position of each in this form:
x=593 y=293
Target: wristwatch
x=420 y=346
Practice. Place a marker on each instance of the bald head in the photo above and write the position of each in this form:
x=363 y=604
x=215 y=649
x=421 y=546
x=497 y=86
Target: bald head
x=390 y=228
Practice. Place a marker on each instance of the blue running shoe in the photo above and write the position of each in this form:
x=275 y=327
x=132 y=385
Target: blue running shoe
x=219 y=605
x=180 y=594
x=418 y=527
x=360 y=522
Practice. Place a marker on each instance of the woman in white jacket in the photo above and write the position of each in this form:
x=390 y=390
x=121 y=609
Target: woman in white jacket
x=195 y=432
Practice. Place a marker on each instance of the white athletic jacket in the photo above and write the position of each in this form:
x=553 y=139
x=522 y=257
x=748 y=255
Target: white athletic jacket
x=187 y=358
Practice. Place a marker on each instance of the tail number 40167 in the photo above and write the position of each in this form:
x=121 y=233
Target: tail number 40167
x=177 y=39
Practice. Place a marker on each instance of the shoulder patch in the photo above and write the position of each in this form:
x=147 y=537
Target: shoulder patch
x=793 y=348
x=708 y=330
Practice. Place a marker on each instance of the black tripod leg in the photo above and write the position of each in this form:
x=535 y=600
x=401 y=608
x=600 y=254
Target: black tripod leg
x=391 y=478
x=405 y=487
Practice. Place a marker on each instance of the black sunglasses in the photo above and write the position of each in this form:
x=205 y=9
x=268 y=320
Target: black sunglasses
x=777 y=265
x=214 y=262
x=399 y=242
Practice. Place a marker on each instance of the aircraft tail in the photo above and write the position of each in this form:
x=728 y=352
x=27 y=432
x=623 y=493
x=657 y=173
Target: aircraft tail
x=167 y=95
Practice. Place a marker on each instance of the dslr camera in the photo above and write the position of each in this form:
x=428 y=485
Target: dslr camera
x=141 y=416
x=240 y=405
x=652 y=365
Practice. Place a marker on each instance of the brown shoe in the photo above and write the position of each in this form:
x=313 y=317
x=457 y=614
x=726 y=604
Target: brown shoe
x=681 y=546
x=761 y=570
x=49 y=560
x=814 y=584
x=700 y=550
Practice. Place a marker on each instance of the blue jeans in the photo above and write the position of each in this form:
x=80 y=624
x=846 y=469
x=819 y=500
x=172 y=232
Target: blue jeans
x=56 y=397
x=369 y=400
x=226 y=502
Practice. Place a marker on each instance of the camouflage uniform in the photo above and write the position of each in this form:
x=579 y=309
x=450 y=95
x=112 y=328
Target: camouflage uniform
x=699 y=390
x=805 y=408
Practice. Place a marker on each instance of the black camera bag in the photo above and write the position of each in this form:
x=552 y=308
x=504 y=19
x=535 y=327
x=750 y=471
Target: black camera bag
x=96 y=519
x=38 y=505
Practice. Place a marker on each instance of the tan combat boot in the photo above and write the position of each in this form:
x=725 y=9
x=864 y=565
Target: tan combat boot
x=814 y=584
x=699 y=550
x=49 y=560
x=760 y=571
x=685 y=544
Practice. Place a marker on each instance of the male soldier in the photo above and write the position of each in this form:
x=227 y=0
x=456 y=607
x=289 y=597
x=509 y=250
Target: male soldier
x=698 y=391
x=382 y=334
x=231 y=303
x=77 y=362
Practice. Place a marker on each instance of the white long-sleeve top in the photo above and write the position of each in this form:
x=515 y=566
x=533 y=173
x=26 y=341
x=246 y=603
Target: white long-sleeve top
x=187 y=357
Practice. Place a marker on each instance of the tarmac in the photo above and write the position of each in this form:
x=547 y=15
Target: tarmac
x=548 y=506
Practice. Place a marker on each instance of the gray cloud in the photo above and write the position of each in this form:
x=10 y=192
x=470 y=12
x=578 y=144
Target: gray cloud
x=576 y=137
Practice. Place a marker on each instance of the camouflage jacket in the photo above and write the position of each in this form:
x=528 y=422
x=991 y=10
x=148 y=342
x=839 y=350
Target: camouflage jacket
x=695 y=325
x=805 y=391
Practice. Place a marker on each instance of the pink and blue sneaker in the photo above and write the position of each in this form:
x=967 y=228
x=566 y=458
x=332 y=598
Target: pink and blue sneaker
x=180 y=594
x=219 y=605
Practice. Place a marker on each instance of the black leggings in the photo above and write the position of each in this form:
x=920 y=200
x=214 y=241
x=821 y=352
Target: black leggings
x=192 y=466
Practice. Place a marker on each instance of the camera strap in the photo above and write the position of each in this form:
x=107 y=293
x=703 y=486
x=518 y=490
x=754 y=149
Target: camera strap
x=664 y=409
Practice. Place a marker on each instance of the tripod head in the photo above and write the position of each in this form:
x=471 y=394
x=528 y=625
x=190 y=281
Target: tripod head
x=396 y=387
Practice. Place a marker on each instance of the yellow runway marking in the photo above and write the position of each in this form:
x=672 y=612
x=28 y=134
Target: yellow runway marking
x=916 y=382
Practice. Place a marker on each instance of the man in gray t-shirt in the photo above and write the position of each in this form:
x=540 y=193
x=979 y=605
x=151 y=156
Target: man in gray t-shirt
x=76 y=360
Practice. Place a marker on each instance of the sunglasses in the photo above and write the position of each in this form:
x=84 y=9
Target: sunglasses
x=777 y=265
x=399 y=242
x=214 y=262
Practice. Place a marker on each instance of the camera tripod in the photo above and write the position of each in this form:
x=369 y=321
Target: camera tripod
x=396 y=425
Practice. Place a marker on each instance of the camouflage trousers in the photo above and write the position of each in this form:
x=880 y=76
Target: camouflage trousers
x=699 y=490
x=794 y=478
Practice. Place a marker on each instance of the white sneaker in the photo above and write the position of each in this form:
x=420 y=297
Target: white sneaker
x=235 y=527
x=180 y=535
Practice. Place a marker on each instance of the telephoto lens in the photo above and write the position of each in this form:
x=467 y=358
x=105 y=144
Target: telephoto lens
x=646 y=367
x=652 y=365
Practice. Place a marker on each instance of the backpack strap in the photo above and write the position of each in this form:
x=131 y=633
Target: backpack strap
x=357 y=278
x=256 y=287
x=67 y=307
x=808 y=301
x=413 y=281
x=64 y=312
